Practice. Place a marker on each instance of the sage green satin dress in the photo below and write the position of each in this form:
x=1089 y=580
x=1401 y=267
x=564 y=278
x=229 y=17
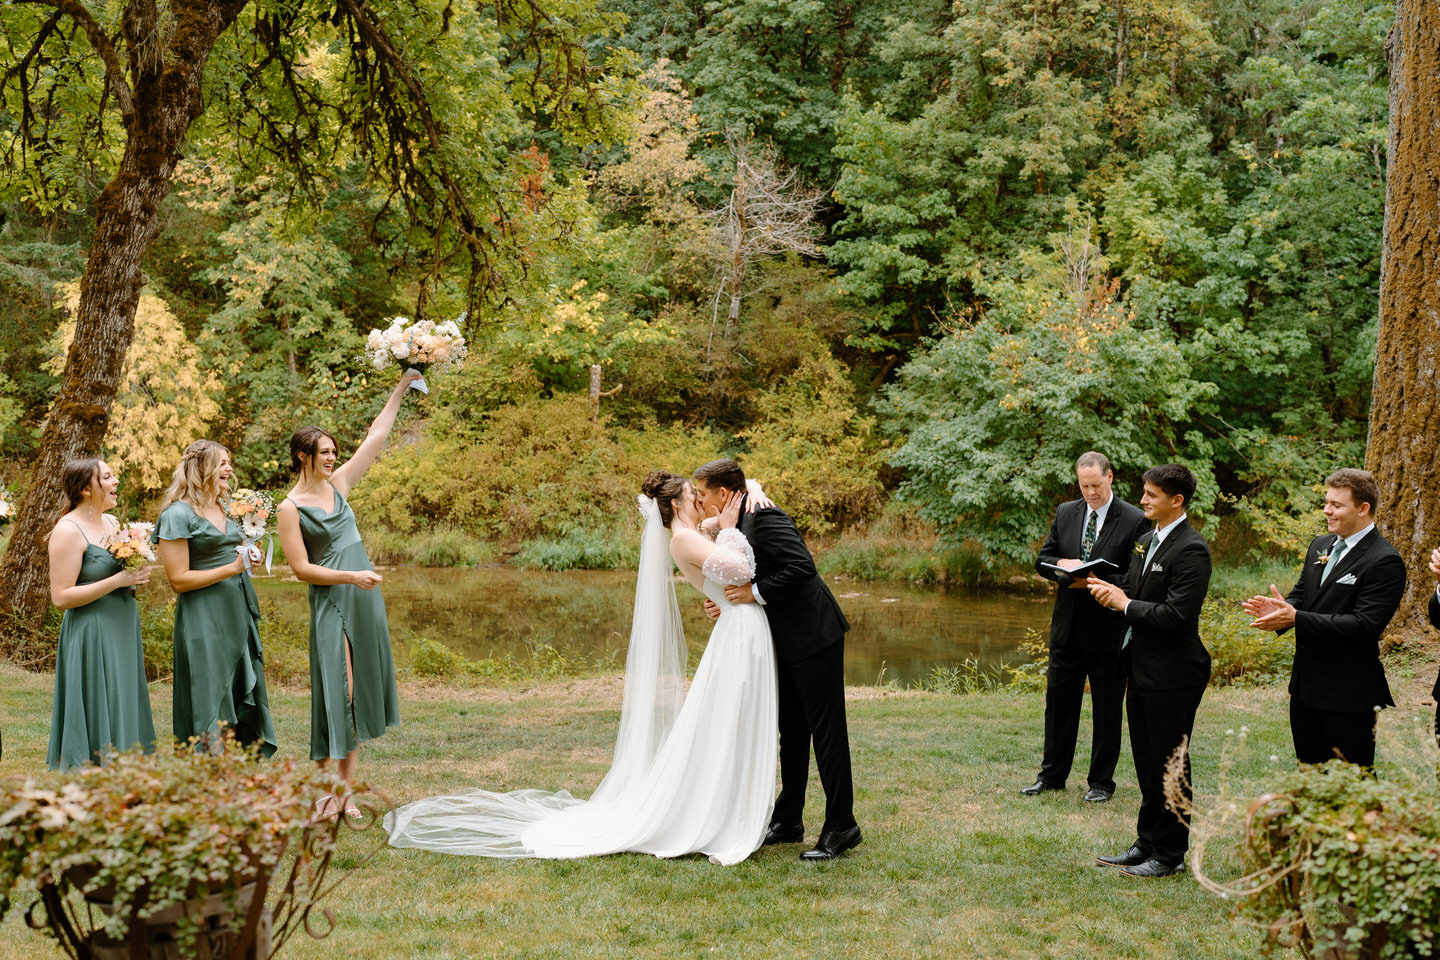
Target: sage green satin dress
x=338 y=722
x=219 y=665
x=101 y=699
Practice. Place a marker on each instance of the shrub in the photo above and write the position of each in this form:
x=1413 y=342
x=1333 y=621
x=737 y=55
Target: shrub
x=1240 y=654
x=588 y=550
x=149 y=832
x=1339 y=853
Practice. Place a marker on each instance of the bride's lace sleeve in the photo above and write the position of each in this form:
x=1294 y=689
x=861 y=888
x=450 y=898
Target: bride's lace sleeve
x=732 y=562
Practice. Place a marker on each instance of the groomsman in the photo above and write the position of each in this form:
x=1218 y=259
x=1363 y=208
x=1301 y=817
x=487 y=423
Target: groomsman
x=1168 y=666
x=1084 y=636
x=1435 y=622
x=1350 y=586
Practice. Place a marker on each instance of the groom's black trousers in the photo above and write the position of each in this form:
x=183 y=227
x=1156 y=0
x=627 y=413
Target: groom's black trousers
x=812 y=707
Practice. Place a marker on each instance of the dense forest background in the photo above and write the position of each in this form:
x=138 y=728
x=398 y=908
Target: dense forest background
x=905 y=260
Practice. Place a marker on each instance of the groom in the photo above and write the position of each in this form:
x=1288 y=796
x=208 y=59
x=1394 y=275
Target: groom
x=808 y=630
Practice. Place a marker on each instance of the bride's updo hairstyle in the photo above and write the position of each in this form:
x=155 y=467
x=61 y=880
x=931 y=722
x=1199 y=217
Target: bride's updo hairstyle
x=664 y=487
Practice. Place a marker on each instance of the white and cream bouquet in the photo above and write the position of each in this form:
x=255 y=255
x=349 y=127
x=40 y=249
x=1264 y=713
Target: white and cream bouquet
x=7 y=505
x=420 y=346
x=252 y=510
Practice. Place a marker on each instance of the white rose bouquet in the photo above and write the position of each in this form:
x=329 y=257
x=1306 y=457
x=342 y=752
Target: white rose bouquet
x=420 y=346
x=7 y=505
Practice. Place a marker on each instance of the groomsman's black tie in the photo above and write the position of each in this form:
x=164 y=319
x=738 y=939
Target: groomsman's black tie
x=1088 y=543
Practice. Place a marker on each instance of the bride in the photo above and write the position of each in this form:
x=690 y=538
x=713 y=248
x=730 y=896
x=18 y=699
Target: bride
x=691 y=773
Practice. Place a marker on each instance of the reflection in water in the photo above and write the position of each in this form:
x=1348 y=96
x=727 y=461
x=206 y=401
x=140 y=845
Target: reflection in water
x=491 y=611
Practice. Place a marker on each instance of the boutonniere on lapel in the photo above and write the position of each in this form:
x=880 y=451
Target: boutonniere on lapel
x=1324 y=557
x=1140 y=547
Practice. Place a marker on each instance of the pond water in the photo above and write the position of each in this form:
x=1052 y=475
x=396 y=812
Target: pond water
x=898 y=631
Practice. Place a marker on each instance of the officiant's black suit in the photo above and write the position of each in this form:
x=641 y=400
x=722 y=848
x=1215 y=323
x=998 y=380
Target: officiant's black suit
x=809 y=634
x=1168 y=668
x=1337 y=680
x=1085 y=643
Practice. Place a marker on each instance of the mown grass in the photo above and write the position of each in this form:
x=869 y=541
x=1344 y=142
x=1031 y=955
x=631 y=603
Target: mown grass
x=955 y=862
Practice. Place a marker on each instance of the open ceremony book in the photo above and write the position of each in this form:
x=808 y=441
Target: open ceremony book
x=1096 y=566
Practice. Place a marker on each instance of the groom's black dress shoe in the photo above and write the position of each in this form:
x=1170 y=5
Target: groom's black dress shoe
x=1038 y=787
x=1154 y=868
x=832 y=843
x=1130 y=858
x=1097 y=795
x=784 y=833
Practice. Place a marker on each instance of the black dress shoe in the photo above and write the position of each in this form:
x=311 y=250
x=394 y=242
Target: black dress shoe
x=832 y=843
x=1154 y=868
x=1038 y=787
x=1130 y=858
x=1097 y=795
x=784 y=833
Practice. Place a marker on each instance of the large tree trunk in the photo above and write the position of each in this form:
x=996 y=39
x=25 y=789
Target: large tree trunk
x=1404 y=449
x=166 y=100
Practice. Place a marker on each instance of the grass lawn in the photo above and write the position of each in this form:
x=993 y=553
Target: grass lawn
x=955 y=862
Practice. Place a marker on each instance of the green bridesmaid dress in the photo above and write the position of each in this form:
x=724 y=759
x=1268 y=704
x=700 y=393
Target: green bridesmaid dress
x=338 y=722
x=219 y=666
x=101 y=700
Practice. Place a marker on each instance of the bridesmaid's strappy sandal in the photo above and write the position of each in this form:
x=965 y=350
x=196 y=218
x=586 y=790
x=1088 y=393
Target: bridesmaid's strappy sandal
x=334 y=808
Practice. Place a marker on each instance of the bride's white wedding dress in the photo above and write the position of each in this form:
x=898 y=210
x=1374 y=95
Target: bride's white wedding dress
x=692 y=773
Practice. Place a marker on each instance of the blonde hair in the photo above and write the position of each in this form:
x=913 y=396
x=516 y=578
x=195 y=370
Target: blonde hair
x=196 y=479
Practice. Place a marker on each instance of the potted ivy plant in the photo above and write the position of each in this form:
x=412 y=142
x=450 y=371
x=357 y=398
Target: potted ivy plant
x=1342 y=863
x=172 y=853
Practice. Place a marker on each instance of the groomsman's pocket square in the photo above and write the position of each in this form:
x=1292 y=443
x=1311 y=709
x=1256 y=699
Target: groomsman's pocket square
x=1156 y=568
x=1348 y=579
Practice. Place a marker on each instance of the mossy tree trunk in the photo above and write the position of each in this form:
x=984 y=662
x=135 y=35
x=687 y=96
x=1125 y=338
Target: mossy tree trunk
x=1404 y=448
x=159 y=93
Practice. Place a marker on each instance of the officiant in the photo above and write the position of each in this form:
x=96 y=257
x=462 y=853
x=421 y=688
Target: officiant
x=1099 y=529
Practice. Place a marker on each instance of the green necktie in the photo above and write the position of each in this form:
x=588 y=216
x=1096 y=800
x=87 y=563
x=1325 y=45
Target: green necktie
x=1149 y=552
x=1341 y=545
x=1088 y=543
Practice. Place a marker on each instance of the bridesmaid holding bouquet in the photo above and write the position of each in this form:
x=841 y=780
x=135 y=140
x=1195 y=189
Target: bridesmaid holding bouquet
x=219 y=666
x=101 y=700
x=352 y=677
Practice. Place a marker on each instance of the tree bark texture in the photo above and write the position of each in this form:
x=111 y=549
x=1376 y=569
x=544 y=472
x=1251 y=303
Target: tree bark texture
x=1404 y=447
x=165 y=66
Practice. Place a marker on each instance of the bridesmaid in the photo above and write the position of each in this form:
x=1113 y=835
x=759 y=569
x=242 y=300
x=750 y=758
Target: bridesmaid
x=352 y=678
x=101 y=700
x=219 y=669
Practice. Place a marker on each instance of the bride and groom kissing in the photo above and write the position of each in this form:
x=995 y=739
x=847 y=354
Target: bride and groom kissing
x=694 y=771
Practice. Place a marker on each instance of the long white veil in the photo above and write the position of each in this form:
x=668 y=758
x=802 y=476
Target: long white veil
x=484 y=823
x=654 y=664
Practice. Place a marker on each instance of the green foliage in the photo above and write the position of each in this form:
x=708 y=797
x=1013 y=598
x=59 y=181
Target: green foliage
x=813 y=451
x=440 y=546
x=433 y=660
x=1337 y=855
x=1240 y=654
x=154 y=831
x=583 y=550
x=992 y=415
x=968 y=677
x=901 y=545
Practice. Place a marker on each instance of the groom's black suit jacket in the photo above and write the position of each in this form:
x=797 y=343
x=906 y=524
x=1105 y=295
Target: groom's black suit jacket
x=1338 y=624
x=1164 y=613
x=1077 y=615
x=804 y=617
